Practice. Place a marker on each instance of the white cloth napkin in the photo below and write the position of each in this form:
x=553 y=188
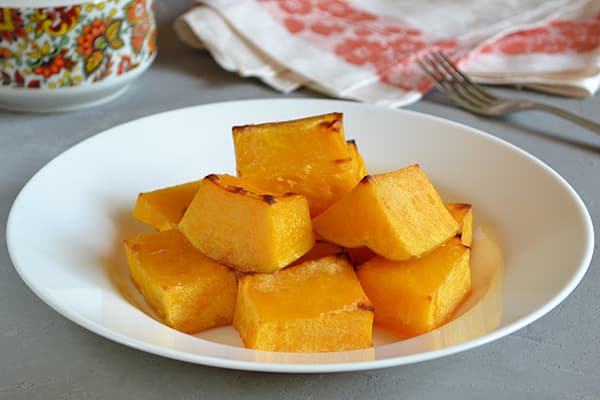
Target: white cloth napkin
x=365 y=49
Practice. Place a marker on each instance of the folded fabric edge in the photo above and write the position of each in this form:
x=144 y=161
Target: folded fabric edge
x=584 y=86
x=191 y=28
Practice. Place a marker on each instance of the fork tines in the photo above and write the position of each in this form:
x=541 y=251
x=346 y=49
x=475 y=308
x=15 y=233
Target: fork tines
x=448 y=78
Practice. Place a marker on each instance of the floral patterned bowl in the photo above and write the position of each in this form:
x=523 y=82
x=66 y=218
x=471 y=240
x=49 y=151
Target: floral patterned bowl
x=69 y=55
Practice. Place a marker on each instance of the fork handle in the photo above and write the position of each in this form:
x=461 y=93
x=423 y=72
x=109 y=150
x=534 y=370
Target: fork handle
x=586 y=123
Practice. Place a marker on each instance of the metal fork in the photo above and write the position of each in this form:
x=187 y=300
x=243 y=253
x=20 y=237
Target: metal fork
x=450 y=80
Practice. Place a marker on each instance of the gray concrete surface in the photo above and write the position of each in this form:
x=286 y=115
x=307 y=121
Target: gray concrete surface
x=45 y=356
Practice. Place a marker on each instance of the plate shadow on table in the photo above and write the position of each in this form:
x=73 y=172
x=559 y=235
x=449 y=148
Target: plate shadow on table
x=518 y=121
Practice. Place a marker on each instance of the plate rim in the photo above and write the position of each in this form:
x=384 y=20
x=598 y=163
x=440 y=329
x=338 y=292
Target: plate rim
x=259 y=366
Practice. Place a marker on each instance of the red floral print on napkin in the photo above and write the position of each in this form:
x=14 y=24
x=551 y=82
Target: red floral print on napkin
x=555 y=37
x=382 y=44
x=387 y=46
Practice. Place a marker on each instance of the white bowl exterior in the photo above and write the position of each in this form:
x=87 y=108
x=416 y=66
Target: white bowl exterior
x=60 y=249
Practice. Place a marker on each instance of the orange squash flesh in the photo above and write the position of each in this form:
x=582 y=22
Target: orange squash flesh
x=463 y=214
x=357 y=160
x=317 y=306
x=319 y=250
x=233 y=222
x=162 y=209
x=397 y=214
x=415 y=296
x=308 y=156
x=189 y=291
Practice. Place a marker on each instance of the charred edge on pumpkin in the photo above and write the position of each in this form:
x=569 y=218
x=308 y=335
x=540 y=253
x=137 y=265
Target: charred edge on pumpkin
x=366 y=179
x=184 y=210
x=268 y=199
x=365 y=307
x=335 y=125
x=212 y=177
x=136 y=247
x=343 y=160
x=237 y=189
x=461 y=206
x=241 y=128
x=351 y=142
x=289 y=194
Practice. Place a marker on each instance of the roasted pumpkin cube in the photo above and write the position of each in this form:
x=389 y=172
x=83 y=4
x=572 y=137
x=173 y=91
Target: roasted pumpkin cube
x=162 y=209
x=415 y=296
x=309 y=156
x=397 y=214
x=235 y=223
x=188 y=290
x=313 y=307
x=463 y=214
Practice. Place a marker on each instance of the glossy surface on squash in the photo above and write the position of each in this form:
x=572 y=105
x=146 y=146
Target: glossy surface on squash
x=235 y=223
x=396 y=214
x=189 y=291
x=309 y=156
x=162 y=209
x=463 y=214
x=415 y=296
x=313 y=307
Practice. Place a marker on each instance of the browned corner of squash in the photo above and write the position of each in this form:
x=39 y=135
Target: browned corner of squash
x=335 y=124
x=212 y=177
x=238 y=189
x=240 y=128
x=366 y=179
x=343 y=160
x=136 y=247
x=351 y=142
x=462 y=206
x=289 y=194
x=365 y=307
x=269 y=199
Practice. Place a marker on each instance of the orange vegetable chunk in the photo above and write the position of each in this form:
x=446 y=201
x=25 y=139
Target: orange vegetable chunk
x=188 y=290
x=235 y=223
x=396 y=214
x=463 y=214
x=313 y=307
x=415 y=296
x=308 y=156
x=162 y=209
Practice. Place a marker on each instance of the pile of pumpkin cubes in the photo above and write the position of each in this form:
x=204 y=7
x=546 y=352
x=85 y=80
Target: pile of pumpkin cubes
x=303 y=250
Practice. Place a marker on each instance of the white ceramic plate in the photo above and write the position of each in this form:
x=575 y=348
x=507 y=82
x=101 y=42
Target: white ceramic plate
x=533 y=235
